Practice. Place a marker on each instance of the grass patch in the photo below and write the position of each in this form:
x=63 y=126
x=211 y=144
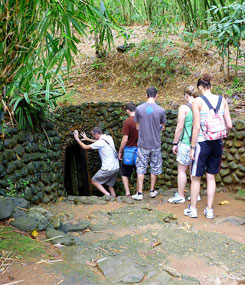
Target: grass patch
x=22 y=246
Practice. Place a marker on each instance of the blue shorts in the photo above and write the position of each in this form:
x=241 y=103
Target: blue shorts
x=145 y=155
x=208 y=155
x=183 y=155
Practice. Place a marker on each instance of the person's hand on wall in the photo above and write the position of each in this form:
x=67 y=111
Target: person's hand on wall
x=76 y=135
x=85 y=138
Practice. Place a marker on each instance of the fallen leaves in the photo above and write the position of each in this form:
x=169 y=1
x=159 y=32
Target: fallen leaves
x=48 y=261
x=34 y=234
x=156 y=244
x=225 y=202
x=92 y=263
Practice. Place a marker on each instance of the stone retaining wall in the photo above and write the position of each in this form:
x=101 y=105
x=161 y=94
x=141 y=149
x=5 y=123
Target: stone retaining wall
x=30 y=164
x=110 y=117
x=37 y=160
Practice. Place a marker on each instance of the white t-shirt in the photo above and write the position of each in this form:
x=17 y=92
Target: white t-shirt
x=107 y=156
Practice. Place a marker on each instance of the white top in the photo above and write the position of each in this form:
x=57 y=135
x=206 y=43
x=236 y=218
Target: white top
x=107 y=156
x=213 y=99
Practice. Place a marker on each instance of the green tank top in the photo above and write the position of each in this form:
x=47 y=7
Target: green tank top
x=188 y=128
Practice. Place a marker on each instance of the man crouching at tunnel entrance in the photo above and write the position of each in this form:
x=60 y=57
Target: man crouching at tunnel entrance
x=108 y=155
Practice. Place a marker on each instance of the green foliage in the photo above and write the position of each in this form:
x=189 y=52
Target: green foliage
x=102 y=31
x=228 y=32
x=157 y=13
x=37 y=39
x=21 y=245
x=15 y=188
x=233 y=90
x=188 y=38
x=154 y=62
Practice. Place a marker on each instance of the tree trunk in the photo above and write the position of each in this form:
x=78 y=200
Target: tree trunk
x=237 y=54
x=202 y=15
x=228 y=61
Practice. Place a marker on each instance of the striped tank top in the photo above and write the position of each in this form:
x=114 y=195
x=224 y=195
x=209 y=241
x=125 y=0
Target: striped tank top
x=213 y=99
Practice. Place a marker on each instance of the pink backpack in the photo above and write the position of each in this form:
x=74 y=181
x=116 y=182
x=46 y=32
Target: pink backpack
x=214 y=127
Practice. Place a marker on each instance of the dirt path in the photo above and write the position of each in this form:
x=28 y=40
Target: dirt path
x=207 y=250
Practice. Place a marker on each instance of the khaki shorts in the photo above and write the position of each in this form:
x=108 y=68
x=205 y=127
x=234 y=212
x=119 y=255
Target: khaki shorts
x=106 y=177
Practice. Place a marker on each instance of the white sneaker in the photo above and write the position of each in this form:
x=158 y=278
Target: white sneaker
x=192 y=213
x=176 y=199
x=138 y=196
x=209 y=213
x=153 y=193
x=198 y=198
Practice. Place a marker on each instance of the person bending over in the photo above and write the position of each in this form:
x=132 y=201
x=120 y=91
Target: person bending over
x=110 y=166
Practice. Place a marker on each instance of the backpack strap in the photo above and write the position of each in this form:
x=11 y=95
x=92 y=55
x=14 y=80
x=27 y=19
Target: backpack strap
x=205 y=99
x=189 y=105
x=185 y=130
x=218 y=104
x=114 y=150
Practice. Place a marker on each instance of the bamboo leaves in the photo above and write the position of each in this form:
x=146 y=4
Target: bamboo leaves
x=37 y=38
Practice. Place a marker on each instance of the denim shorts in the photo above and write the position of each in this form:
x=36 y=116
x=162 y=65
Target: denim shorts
x=145 y=155
x=183 y=155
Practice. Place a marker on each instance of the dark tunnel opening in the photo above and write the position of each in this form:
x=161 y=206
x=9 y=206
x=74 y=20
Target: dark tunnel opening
x=76 y=178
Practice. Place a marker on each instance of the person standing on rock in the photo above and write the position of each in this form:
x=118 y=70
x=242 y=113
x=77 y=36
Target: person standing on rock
x=211 y=120
x=182 y=144
x=129 y=140
x=150 y=120
x=110 y=166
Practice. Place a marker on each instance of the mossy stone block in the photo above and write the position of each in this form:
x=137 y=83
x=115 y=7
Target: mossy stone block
x=242 y=158
x=237 y=143
x=240 y=125
x=28 y=194
x=227 y=179
x=9 y=155
x=233 y=165
x=224 y=172
x=11 y=167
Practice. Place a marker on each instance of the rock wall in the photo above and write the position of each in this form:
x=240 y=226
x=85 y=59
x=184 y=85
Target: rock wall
x=31 y=165
x=35 y=163
x=110 y=117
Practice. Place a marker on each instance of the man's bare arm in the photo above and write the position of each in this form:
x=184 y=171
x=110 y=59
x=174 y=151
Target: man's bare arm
x=82 y=145
x=137 y=126
x=122 y=146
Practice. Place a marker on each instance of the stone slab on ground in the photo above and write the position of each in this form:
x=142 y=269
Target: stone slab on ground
x=6 y=208
x=120 y=269
x=80 y=226
x=89 y=200
x=157 y=279
x=19 y=202
x=62 y=238
x=31 y=222
x=236 y=221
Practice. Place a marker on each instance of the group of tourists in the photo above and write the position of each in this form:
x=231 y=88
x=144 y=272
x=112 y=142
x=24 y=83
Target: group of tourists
x=202 y=123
